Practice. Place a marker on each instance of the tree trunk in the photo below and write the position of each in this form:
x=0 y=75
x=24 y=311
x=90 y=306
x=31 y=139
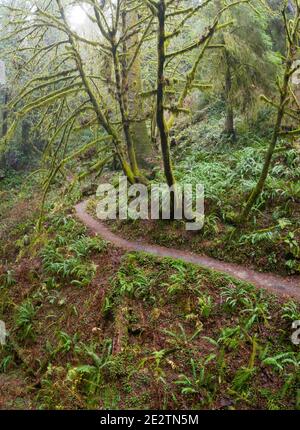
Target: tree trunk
x=25 y=136
x=280 y=114
x=292 y=29
x=102 y=119
x=261 y=182
x=161 y=124
x=121 y=96
x=140 y=135
x=5 y=112
x=229 y=129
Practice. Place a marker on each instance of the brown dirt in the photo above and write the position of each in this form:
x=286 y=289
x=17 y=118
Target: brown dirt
x=14 y=392
x=287 y=287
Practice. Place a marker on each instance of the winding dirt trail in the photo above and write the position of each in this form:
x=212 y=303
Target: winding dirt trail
x=286 y=287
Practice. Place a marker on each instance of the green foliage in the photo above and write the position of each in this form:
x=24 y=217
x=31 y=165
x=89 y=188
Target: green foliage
x=236 y=297
x=7 y=279
x=257 y=237
x=201 y=379
x=249 y=56
x=290 y=311
x=132 y=281
x=176 y=281
x=87 y=245
x=231 y=337
x=205 y=305
x=242 y=378
x=66 y=226
x=5 y=363
x=191 y=368
x=280 y=361
x=180 y=338
x=257 y=312
x=24 y=317
x=73 y=269
x=65 y=343
x=88 y=378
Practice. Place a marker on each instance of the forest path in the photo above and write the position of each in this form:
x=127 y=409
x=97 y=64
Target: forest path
x=287 y=287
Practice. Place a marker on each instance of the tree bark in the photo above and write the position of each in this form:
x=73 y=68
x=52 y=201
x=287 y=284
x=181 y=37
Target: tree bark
x=121 y=96
x=229 y=129
x=269 y=155
x=161 y=123
x=102 y=120
x=261 y=182
x=5 y=112
x=139 y=131
x=25 y=136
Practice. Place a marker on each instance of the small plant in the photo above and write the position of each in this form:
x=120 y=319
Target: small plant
x=201 y=380
x=7 y=279
x=243 y=378
x=236 y=297
x=180 y=338
x=65 y=342
x=176 y=282
x=6 y=362
x=293 y=244
x=288 y=364
x=258 y=312
x=155 y=362
x=280 y=361
x=211 y=225
x=205 y=305
x=231 y=337
x=132 y=282
x=53 y=387
x=256 y=238
x=107 y=306
x=57 y=265
x=88 y=378
x=290 y=311
x=24 y=319
x=86 y=245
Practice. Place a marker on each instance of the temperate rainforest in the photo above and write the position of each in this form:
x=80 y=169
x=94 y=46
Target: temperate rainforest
x=149 y=208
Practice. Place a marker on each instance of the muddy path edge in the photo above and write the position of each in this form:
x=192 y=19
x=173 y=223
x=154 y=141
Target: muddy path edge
x=288 y=287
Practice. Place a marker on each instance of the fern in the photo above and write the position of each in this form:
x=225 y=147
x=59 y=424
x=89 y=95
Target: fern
x=7 y=279
x=87 y=245
x=236 y=296
x=200 y=381
x=290 y=311
x=24 y=319
x=180 y=338
x=243 y=378
x=205 y=306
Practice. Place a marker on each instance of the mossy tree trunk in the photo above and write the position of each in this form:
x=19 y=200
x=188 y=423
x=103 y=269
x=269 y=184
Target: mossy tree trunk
x=292 y=29
x=264 y=173
x=121 y=96
x=26 y=136
x=5 y=112
x=229 y=129
x=101 y=117
x=139 y=131
x=161 y=123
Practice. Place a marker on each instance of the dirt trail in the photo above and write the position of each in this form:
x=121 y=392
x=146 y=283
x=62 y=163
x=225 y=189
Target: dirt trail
x=287 y=287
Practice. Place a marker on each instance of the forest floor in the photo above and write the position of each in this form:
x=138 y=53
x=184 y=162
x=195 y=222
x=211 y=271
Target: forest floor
x=95 y=326
x=270 y=241
x=94 y=321
x=285 y=286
